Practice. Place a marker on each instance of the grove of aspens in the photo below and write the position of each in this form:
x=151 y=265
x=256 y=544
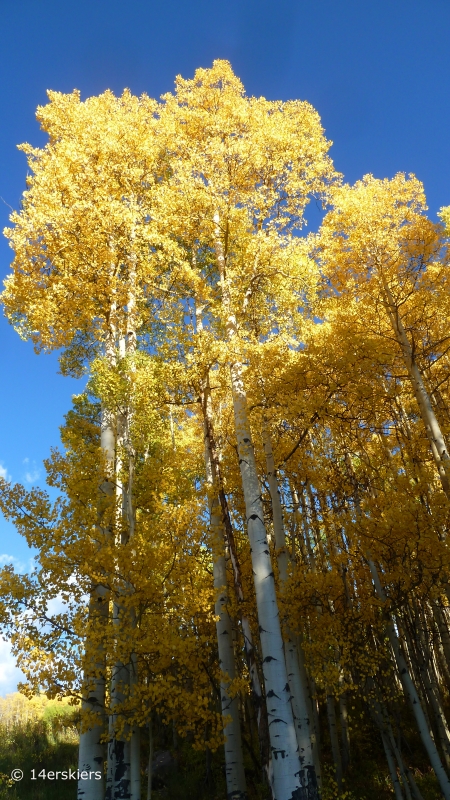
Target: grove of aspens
x=243 y=556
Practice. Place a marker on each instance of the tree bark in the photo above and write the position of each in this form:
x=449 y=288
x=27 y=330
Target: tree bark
x=298 y=689
x=257 y=694
x=92 y=751
x=150 y=759
x=135 y=741
x=380 y=716
x=345 y=733
x=411 y=691
x=234 y=763
x=391 y=766
x=432 y=427
x=335 y=750
x=443 y=631
x=130 y=349
x=419 y=651
x=125 y=751
x=286 y=766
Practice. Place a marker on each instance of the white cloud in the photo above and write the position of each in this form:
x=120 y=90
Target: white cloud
x=4 y=472
x=32 y=474
x=56 y=606
x=10 y=675
x=19 y=566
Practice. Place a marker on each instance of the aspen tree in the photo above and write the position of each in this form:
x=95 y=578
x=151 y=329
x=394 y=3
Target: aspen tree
x=159 y=630
x=411 y=692
x=408 y=681
x=236 y=786
x=214 y=467
x=297 y=685
x=156 y=245
x=77 y=243
x=380 y=241
x=248 y=175
x=318 y=467
x=234 y=765
x=92 y=751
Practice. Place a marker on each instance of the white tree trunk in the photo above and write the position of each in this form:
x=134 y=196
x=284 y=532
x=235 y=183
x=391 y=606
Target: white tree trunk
x=284 y=748
x=261 y=712
x=312 y=709
x=345 y=732
x=119 y=766
x=331 y=714
x=381 y=719
x=432 y=427
x=119 y=747
x=419 y=652
x=92 y=751
x=124 y=752
x=299 y=692
x=120 y=755
x=409 y=687
x=135 y=742
x=443 y=631
x=131 y=346
x=234 y=762
x=257 y=695
x=411 y=691
x=308 y=555
x=111 y=766
x=391 y=767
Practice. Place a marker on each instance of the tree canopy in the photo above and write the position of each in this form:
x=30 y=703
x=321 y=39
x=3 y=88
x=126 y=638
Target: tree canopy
x=249 y=541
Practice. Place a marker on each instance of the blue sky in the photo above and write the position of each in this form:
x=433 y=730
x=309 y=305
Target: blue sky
x=377 y=72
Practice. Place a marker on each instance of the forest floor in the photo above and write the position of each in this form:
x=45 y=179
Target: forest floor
x=47 y=740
